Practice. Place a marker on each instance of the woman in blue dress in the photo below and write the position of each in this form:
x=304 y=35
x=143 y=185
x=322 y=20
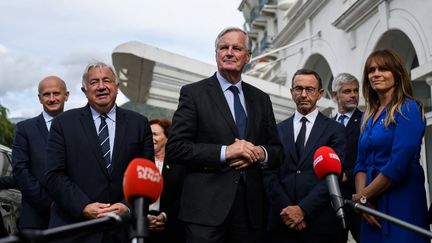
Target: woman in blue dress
x=389 y=177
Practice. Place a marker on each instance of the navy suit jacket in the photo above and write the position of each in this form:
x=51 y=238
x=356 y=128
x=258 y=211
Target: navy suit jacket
x=28 y=163
x=352 y=132
x=203 y=123
x=76 y=173
x=295 y=182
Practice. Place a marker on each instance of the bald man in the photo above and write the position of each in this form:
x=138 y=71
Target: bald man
x=29 y=154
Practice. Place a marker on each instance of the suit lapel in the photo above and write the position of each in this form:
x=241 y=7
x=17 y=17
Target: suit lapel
x=214 y=91
x=120 y=131
x=251 y=113
x=89 y=128
x=41 y=125
x=287 y=137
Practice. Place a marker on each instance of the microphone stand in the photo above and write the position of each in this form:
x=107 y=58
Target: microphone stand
x=391 y=219
x=139 y=230
x=109 y=221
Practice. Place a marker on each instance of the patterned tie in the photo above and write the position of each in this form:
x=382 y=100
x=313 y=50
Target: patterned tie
x=300 y=142
x=341 y=119
x=104 y=140
x=239 y=112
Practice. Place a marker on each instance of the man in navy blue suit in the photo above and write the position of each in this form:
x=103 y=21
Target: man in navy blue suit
x=346 y=94
x=89 y=149
x=224 y=132
x=300 y=209
x=29 y=154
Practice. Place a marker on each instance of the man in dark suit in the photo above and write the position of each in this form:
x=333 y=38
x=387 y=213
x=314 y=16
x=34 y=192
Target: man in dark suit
x=29 y=154
x=224 y=132
x=346 y=94
x=89 y=149
x=300 y=209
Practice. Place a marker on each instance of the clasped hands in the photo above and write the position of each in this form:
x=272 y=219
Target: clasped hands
x=293 y=217
x=96 y=209
x=371 y=220
x=156 y=223
x=242 y=153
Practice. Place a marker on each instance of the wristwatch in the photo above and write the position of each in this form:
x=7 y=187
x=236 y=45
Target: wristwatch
x=363 y=200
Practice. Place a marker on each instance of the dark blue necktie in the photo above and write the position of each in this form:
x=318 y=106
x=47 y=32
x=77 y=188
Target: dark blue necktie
x=239 y=112
x=341 y=119
x=300 y=142
x=104 y=140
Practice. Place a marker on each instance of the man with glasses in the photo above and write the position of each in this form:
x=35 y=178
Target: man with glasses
x=300 y=209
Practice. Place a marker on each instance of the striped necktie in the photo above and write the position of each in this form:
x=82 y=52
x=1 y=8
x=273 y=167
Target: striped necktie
x=104 y=140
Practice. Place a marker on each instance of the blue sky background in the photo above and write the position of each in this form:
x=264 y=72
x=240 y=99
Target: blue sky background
x=48 y=37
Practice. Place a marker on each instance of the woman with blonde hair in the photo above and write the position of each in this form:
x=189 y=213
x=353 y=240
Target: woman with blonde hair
x=389 y=176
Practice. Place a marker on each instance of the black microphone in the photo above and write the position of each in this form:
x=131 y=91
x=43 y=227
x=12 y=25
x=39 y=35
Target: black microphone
x=142 y=185
x=327 y=165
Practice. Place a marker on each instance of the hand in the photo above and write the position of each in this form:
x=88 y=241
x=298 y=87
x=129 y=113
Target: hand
x=156 y=223
x=293 y=216
x=117 y=208
x=301 y=226
x=92 y=210
x=242 y=153
x=344 y=177
x=371 y=220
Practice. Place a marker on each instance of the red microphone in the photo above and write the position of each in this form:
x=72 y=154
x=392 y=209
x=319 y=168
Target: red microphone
x=326 y=161
x=327 y=165
x=142 y=185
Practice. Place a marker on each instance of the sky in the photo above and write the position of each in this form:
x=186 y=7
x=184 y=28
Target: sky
x=60 y=37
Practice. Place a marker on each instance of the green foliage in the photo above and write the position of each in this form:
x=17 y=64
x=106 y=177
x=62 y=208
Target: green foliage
x=7 y=128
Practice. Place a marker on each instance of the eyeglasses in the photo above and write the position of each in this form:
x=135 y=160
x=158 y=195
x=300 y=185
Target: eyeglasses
x=299 y=90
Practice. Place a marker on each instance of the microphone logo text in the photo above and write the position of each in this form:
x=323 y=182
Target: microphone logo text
x=146 y=173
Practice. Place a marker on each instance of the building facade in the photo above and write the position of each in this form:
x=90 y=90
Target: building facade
x=329 y=36
x=334 y=36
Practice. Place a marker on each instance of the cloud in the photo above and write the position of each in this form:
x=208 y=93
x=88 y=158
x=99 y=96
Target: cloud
x=44 y=37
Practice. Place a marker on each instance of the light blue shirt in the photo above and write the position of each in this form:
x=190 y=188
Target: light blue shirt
x=348 y=114
x=229 y=96
x=48 y=119
x=110 y=123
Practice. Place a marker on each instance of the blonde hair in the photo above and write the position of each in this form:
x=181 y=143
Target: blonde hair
x=387 y=60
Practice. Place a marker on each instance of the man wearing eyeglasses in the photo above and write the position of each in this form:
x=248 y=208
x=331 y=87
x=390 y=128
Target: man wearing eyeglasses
x=300 y=208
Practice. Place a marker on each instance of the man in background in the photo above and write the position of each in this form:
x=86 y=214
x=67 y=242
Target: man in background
x=346 y=94
x=29 y=154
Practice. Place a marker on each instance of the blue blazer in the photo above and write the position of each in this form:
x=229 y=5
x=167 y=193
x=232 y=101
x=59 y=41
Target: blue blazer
x=76 y=173
x=28 y=163
x=295 y=183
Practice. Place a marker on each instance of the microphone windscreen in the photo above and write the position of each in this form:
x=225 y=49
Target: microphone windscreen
x=326 y=162
x=142 y=179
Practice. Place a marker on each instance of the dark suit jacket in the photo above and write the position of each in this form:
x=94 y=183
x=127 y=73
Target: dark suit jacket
x=295 y=182
x=201 y=125
x=76 y=173
x=28 y=162
x=352 y=132
x=173 y=176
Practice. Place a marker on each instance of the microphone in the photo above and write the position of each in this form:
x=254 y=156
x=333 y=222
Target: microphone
x=142 y=185
x=327 y=164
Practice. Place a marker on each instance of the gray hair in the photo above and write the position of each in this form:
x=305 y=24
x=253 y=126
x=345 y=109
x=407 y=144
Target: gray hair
x=99 y=65
x=342 y=78
x=248 y=43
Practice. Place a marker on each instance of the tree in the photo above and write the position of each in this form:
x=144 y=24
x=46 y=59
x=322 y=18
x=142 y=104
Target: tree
x=7 y=128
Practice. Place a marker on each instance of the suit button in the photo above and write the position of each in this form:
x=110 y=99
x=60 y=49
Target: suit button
x=298 y=172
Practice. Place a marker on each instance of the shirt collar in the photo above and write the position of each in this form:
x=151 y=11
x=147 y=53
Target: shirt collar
x=47 y=117
x=225 y=84
x=311 y=116
x=111 y=114
x=348 y=114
